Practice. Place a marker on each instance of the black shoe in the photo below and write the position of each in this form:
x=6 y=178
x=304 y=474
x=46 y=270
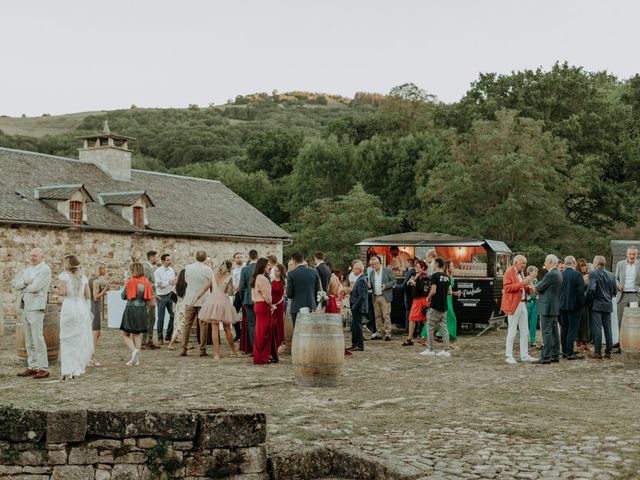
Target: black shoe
x=541 y=362
x=387 y=338
x=235 y=339
x=356 y=349
x=575 y=357
x=555 y=360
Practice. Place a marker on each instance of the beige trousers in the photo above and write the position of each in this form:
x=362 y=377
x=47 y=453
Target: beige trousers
x=34 y=339
x=382 y=310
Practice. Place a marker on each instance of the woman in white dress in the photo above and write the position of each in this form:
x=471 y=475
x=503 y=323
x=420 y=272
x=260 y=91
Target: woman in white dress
x=76 y=339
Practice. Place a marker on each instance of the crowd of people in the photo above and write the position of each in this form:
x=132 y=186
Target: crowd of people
x=573 y=304
x=248 y=301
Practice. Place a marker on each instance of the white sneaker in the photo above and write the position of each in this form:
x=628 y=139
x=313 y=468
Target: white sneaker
x=443 y=353
x=511 y=361
x=529 y=359
x=136 y=357
x=374 y=336
x=428 y=353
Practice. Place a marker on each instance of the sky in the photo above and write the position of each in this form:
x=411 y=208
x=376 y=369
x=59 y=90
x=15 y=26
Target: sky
x=69 y=56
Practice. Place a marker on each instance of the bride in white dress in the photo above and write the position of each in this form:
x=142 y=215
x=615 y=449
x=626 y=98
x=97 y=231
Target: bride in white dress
x=76 y=340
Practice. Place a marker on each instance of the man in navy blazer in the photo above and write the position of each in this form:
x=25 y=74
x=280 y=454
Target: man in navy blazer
x=303 y=284
x=359 y=301
x=548 y=291
x=600 y=294
x=245 y=293
x=571 y=302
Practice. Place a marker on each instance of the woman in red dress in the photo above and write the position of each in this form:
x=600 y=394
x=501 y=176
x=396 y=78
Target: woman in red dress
x=278 y=286
x=264 y=344
x=420 y=285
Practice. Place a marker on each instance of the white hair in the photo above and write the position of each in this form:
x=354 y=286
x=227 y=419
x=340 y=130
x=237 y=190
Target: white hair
x=519 y=257
x=632 y=248
x=600 y=260
x=570 y=260
x=552 y=258
x=358 y=263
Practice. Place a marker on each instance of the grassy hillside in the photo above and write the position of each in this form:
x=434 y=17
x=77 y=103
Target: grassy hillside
x=44 y=125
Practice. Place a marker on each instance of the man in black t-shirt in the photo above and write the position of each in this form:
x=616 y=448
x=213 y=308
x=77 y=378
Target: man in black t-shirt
x=440 y=289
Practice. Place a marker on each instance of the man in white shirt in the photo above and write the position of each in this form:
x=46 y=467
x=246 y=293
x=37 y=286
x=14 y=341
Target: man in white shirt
x=165 y=279
x=196 y=275
x=628 y=281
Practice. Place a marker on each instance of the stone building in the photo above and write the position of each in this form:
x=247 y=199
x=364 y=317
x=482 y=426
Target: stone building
x=99 y=208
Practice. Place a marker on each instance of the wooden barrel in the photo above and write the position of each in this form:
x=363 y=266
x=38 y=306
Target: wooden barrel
x=317 y=349
x=51 y=331
x=288 y=331
x=630 y=337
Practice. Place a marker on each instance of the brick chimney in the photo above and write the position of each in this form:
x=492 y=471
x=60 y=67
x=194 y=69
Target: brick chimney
x=109 y=152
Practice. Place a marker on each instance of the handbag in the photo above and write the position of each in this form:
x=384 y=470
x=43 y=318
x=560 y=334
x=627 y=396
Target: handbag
x=173 y=296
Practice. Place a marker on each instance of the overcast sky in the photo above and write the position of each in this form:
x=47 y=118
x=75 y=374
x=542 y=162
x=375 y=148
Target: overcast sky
x=77 y=55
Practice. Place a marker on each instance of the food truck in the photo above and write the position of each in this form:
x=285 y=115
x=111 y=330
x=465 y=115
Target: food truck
x=479 y=265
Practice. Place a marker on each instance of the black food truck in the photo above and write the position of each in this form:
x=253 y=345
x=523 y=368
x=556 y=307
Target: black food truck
x=478 y=268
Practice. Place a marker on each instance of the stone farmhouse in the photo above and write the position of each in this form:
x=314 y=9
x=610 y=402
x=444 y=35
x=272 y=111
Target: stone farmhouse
x=101 y=209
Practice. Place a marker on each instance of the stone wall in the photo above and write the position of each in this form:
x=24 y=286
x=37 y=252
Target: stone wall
x=115 y=249
x=120 y=445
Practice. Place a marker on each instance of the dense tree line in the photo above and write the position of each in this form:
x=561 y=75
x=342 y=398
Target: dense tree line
x=545 y=160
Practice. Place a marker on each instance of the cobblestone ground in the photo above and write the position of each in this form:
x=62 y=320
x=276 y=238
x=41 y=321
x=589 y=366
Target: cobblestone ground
x=469 y=416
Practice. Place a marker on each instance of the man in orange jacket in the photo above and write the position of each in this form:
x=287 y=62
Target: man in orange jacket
x=514 y=304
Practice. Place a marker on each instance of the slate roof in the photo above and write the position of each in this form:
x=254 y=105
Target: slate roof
x=58 y=192
x=183 y=206
x=124 y=198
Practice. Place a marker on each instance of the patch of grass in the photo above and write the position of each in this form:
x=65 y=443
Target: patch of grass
x=159 y=462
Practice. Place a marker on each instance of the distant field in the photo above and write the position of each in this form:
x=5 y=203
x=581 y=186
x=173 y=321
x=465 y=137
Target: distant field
x=41 y=126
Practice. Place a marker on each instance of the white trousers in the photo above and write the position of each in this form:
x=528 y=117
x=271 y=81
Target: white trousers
x=34 y=339
x=518 y=321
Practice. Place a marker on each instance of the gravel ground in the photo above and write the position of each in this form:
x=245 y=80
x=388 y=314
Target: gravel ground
x=468 y=416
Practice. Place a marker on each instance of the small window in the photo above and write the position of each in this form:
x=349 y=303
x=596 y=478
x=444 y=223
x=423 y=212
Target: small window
x=75 y=212
x=138 y=217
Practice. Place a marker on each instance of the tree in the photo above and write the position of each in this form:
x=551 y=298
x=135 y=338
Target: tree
x=335 y=225
x=323 y=169
x=504 y=180
x=386 y=167
x=273 y=151
x=411 y=93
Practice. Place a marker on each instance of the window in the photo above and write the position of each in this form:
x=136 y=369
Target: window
x=138 y=217
x=75 y=212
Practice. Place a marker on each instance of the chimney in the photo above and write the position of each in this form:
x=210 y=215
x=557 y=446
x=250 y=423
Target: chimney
x=109 y=152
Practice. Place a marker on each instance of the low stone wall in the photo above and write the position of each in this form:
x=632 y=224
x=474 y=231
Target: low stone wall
x=122 y=445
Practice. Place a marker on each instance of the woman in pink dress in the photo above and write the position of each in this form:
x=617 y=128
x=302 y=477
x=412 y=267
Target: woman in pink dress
x=278 y=287
x=217 y=308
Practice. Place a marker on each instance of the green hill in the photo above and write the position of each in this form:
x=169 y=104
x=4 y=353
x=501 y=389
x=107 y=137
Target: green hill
x=545 y=160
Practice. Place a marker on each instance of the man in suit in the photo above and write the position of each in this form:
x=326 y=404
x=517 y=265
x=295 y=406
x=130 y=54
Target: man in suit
x=628 y=281
x=33 y=285
x=149 y=272
x=548 y=291
x=196 y=275
x=381 y=282
x=514 y=303
x=303 y=285
x=324 y=272
x=245 y=293
x=600 y=293
x=359 y=306
x=571 y=303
